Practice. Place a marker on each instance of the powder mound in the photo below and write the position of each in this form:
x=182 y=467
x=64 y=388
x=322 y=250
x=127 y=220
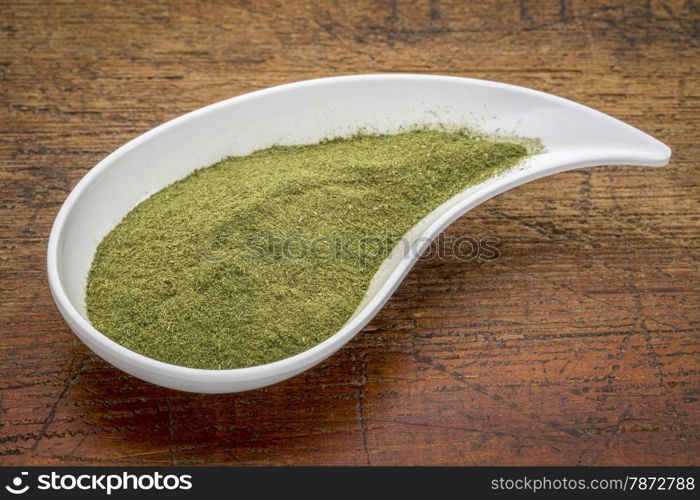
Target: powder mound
x=257 y=258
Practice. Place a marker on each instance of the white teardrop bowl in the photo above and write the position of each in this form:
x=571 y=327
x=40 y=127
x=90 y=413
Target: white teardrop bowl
x=574 y=136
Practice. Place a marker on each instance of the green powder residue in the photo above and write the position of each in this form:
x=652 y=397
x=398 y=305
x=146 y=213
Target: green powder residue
x=257 y=258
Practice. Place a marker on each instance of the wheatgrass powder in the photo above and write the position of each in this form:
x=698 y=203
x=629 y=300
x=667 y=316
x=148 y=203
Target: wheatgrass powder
x=257 y=258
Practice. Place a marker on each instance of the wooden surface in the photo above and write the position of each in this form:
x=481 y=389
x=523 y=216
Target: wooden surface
x=578 y=346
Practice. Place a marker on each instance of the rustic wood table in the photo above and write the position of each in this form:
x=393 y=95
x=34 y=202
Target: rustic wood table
x=579 y=345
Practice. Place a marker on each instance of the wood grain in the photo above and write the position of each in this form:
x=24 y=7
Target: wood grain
x=579 y=345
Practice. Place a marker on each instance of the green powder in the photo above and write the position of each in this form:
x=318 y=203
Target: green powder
x=257 y=258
